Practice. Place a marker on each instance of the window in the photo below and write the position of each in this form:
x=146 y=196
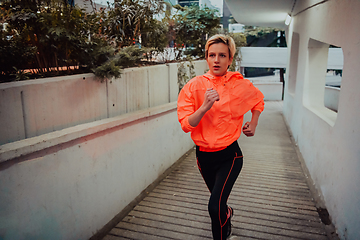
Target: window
x=333 y=78
x=315 y=80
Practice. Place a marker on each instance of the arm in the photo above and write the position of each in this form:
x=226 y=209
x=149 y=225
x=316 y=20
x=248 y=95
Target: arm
x=250 y=127
x=210 y=97
x=186 y=108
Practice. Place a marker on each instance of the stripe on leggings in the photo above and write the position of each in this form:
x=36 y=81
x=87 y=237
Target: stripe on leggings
x=222 y=190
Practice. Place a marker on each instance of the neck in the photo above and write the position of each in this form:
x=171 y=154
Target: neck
x=218 y=75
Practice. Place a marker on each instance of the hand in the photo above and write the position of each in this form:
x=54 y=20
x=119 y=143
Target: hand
x=249 y=129
x=210 y=97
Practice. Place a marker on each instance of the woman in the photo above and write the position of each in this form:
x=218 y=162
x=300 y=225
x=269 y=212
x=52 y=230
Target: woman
x=211 y=107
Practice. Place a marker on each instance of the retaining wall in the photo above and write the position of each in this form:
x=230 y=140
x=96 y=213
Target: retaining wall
x=82 y=150
x=68 y=184
x=35 y=107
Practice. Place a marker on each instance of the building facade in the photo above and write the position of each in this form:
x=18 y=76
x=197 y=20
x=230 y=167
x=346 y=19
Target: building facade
x=329 y=141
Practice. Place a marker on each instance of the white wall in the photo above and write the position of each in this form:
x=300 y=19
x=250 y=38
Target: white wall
x=272 y=90
x=35 y=107
x=99 y=145
x=271 y=57
x=331 y=100
x=68 y=184
x=328 y=141
x=264 y=57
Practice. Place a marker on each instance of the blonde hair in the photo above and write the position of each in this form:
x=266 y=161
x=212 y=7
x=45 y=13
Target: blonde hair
x=221 y=38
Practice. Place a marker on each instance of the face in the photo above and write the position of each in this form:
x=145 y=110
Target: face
x=218 y=59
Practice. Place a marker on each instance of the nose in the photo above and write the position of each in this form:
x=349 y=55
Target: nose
x=217 y=58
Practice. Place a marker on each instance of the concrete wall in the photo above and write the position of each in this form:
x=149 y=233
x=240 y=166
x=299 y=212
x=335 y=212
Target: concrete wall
x=264 y=57
x=83 y=150
x=328 y=141
x=35 y=107
x=331 y=100
x=272 y=90
x=271 y=57
x=68 y=184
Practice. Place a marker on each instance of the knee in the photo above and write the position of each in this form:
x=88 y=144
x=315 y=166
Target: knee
x=213 y=208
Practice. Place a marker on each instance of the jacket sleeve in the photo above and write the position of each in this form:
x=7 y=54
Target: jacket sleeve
x=256 y=97
x=260 y=105
x=185 y=108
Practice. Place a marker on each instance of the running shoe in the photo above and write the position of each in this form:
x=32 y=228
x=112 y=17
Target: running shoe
x=231 y=213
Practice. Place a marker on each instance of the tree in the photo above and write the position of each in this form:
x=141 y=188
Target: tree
x=131 y=19
x=240 y=41
x=193 y=25
x=46 y=35
x=266 y=35
x=52 y=34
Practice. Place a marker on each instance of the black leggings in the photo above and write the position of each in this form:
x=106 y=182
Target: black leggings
x=220 y=171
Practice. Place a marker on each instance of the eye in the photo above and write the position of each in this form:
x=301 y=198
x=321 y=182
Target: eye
x=223 y=55
x=211 y=55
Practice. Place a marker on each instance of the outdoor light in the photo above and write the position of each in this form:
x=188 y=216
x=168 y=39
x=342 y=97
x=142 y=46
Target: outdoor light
x=287 y=20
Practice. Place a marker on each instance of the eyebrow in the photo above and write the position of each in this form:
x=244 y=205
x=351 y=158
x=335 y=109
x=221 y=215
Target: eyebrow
x=219 y=53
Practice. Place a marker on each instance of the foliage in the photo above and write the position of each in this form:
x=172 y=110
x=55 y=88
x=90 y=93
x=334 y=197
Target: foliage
x=131 y=56
x=240 y=41
x=108 y=70
x=184 y=75
x=155 y=35
x=47 y=35
x=17 y=54
x=259 y=31
x=20 y=74
x=255 y=34
x=126 y=57
x=44 y=36
x=130 y=19
x=191 y=25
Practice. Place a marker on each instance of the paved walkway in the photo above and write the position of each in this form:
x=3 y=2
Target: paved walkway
x=271 y=199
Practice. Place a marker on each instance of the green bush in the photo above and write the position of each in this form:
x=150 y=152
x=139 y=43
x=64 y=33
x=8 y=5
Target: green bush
x=240 y=41
x=44 y=37
x=126 y=57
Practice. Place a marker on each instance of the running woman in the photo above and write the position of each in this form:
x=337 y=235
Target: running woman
x=212 y=107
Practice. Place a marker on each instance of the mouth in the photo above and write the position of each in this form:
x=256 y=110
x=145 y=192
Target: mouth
x=216 y=67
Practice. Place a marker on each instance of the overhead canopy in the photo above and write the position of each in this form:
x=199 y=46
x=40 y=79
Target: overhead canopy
x=264 y=13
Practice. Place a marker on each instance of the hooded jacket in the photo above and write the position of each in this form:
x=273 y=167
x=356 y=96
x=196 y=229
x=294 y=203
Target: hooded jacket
x=222 y=124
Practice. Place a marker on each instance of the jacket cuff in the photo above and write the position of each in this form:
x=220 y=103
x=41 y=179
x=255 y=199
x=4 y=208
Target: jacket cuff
x=259 y=107
x=185 y=125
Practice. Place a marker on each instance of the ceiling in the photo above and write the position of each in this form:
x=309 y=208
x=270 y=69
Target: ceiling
x=264 y=13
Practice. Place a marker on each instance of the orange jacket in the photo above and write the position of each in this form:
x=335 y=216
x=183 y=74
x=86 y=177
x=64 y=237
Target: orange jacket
x=222 y=124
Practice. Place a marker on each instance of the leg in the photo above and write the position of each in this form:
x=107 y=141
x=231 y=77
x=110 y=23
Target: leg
x=220 y=171
x=208 y=171
x=218 y=209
